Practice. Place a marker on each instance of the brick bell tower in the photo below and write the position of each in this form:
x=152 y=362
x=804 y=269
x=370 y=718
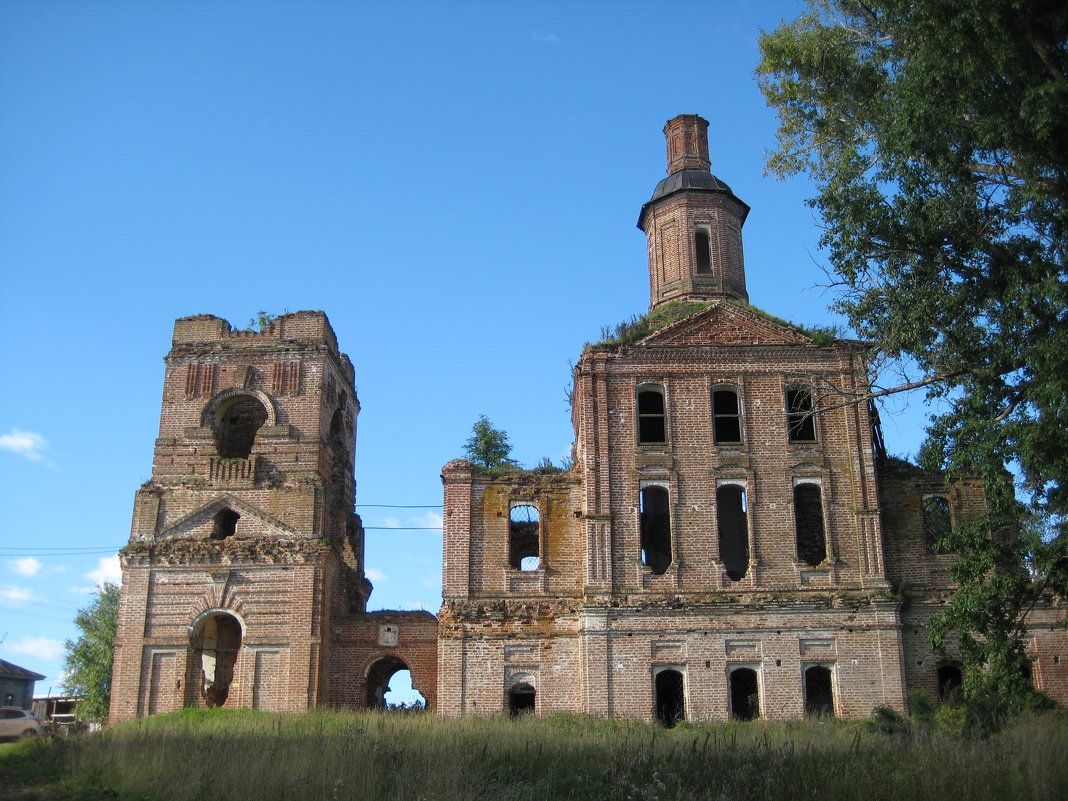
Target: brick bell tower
x=693 y=223
x=245 y=553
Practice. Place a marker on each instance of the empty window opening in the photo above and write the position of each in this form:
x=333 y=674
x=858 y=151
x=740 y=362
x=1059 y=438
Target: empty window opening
x=652 y=419
x=731 y=519
x=670 y=697
x=655 y=529
x=225 y=524
x=936 y=522
x=1027 y=673
x=381 y=692
x=218 y=643
x=949 y=682
x=340 y=441
x=726 y=417
x=800 y=420
x=236 y=425
x=702 y=249
x=745 y=695
x=524 y=538
x=522 y=699
x=819 y=695
x=808 y=517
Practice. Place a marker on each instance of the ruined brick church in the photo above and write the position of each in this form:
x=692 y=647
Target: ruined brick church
x=731 y=539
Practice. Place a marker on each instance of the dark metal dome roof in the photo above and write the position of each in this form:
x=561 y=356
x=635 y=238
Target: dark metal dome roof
x=701 y=180
x=689 y=179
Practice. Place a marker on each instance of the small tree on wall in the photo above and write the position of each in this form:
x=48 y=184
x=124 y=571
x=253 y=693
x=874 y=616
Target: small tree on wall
x=487 y=446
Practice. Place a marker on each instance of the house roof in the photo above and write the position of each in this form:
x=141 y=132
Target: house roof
x=10 y=671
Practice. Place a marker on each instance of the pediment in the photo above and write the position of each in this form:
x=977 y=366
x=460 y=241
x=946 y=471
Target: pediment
x=254 y=522
x=726 y=323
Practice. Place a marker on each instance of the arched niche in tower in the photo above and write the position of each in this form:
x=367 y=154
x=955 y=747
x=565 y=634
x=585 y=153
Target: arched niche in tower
x=235 y=416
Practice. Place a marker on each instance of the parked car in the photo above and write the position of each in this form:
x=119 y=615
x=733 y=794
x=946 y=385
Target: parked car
x=15 y=722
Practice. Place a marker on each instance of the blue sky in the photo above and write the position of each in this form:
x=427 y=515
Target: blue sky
x=455 y=184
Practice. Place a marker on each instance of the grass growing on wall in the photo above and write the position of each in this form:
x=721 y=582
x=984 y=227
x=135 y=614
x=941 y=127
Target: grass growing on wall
x=238 y=755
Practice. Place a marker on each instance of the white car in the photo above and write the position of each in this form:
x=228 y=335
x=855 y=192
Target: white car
x=15 y=722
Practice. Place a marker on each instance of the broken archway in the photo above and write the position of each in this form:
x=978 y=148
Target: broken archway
x=216 y=641
x=381 y=675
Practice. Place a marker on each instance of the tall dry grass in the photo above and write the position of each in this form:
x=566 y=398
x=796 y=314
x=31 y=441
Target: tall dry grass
x=239 y=756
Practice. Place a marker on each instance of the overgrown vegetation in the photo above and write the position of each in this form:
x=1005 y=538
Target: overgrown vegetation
x=488 y=447
x=636 y=327
x=240 y=755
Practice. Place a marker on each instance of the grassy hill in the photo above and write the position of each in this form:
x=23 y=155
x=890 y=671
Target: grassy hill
x=227 y=755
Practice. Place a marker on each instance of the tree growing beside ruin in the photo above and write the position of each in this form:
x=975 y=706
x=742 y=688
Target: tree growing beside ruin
x=87 y=664
x=936 y=135
x=488 y=447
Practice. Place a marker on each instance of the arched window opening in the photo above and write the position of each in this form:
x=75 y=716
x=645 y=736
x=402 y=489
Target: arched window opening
x=670 y=697
x=702 y=249
x=655 y=524
x=522 y=699
x=236 y=425
x=225 y=521
x=726 y=417
x=936 y=522
x=800 y=419
x=652 y=417
x=218 y=641
x=381 y=694
x=808 y=518
x=949 y=682
x=819 y=694
x=524 y=538
x=340 y=441
x=745 y=694
x=732 y=521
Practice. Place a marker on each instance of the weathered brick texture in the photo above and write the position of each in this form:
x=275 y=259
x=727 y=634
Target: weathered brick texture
x=243 y=581
x=602 y=615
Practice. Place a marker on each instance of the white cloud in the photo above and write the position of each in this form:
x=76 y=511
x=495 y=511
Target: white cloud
x=430 y=520
x=15 y=596
x=107 y=570
x=27 y=566
x=390 y=522
x=376 y=575
x=40 y=647
x=544 y=38
x=24 y=443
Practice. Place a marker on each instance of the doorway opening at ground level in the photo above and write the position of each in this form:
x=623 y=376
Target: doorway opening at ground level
x=522 y=699
x=670 y=697
x=389 y=686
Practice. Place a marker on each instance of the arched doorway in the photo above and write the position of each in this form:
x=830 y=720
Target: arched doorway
x=819 y=691
x=217 y=641
x=670 y=697
x=745 y=694
x=949 y=682
x=521 y=699
x=389 y=685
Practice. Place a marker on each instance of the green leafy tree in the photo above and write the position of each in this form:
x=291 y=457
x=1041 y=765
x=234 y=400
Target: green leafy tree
x=87 y=665
x=487 y=446
x=262 y=321
x=936 y=134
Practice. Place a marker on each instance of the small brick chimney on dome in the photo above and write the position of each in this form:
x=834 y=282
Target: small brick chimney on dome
x=687 y=143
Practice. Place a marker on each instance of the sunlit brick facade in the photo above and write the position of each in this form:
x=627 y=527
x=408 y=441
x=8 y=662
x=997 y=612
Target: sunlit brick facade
x=730 y=541
x=243 y=581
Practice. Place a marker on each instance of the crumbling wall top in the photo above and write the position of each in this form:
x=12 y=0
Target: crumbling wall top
x=312 y=327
